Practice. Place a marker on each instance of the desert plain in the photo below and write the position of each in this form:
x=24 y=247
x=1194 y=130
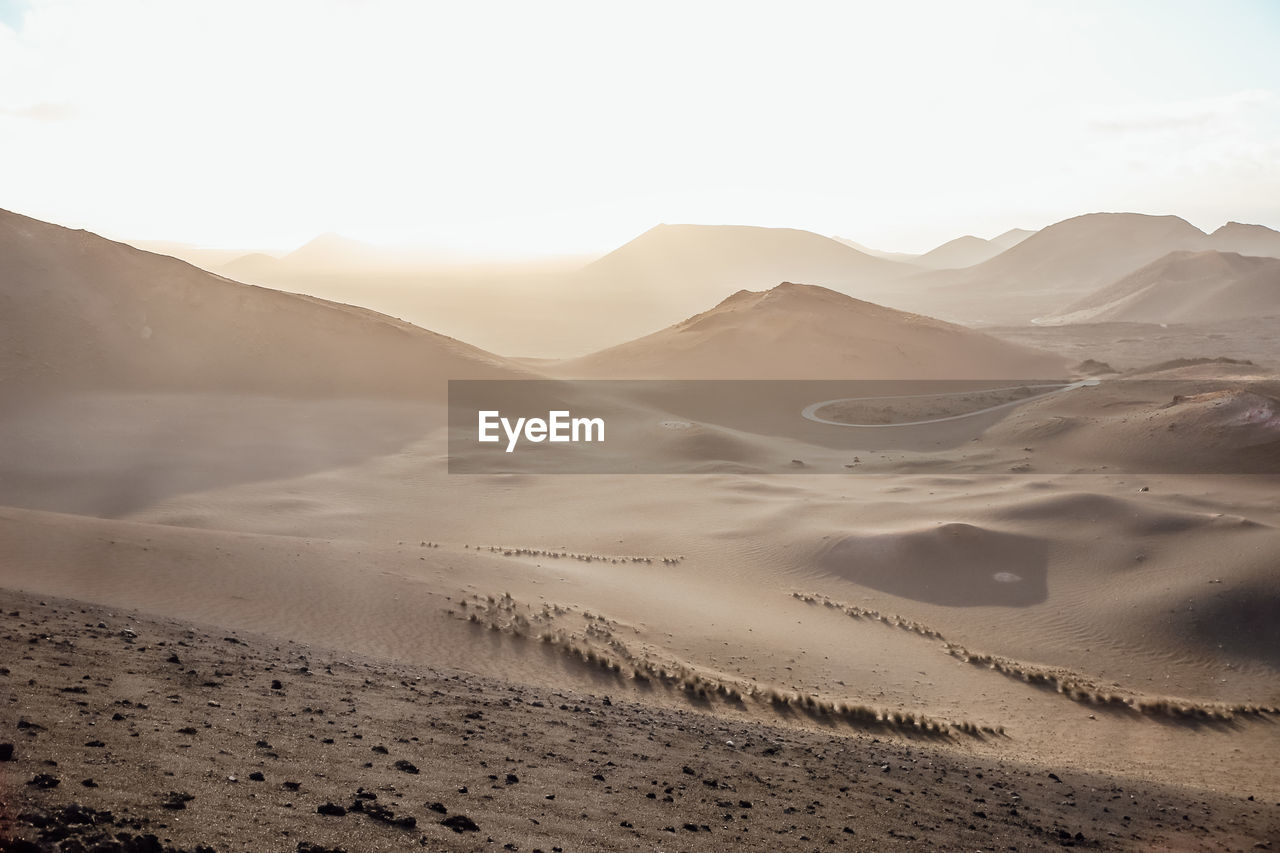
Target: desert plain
x=249 y=599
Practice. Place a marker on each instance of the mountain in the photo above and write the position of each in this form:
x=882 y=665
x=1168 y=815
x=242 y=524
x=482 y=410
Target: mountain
x=958 y=253
x=329 y=251
x=1185 y=287
x=324 y=255
x=205 y=258
x=798 y=331
x=251 y=267
x=1084 y=252
x=80 y=311
x=681 y=263
x=954 y=254
x=1256 y=240
x=333 y=256
x=1010 y=238
x=672 y=271
x=1054 y=267
x=904 y=257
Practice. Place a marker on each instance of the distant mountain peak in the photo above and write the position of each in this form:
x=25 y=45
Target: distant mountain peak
x=1257 y=240
x=329 y=243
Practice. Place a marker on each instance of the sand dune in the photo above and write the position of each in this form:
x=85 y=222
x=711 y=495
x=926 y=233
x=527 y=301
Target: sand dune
x=346 y=544
x=1184 y=287
x=950 y=564
x=796 y=331
x=84 y=312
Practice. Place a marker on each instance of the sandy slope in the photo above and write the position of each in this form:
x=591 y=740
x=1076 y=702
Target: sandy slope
x=84 y=312
x=196 y=735
x=1164 y=596
x=795 y=331
x=110 y=453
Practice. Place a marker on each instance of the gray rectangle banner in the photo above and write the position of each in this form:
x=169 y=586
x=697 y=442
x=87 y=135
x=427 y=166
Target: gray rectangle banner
x=864 y=426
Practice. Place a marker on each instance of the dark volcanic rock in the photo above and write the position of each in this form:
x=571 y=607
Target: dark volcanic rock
x=75 y=828
x=385 y=815
x=460 y=823
x=177 y=800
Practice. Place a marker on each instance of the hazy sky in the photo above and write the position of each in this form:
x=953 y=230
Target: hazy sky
x=572 y=127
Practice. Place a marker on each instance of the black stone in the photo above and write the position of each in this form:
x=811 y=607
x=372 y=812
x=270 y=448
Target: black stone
x=460 y=823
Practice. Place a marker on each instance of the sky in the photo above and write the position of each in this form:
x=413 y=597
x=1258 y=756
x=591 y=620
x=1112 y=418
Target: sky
x=571 y=127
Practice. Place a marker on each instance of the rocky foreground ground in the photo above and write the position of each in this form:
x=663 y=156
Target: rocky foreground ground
x=127 y=733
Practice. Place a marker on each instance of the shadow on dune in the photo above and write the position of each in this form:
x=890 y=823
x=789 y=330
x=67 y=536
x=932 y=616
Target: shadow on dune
x=957 y=565
x=1196 y=724
x=1243 y=622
